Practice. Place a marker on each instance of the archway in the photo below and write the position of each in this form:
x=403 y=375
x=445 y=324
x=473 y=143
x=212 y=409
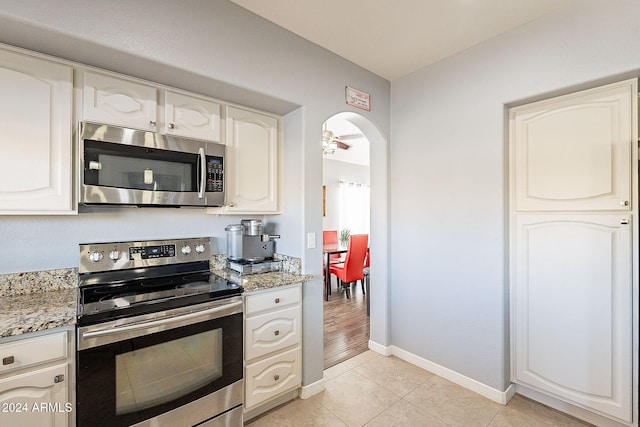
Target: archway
x=378 y=162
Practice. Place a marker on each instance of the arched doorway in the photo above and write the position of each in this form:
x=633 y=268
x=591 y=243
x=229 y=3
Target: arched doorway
x=346 y=210
x=362 y=139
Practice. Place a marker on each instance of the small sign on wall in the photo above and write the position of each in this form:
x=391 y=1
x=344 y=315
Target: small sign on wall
x=358 y=98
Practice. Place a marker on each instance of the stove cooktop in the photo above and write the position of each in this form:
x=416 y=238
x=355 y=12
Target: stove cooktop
x=141 y=295
x=124 y=279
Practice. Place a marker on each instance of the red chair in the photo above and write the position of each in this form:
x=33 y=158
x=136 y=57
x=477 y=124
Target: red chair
x=331 y=237
x=351 y=269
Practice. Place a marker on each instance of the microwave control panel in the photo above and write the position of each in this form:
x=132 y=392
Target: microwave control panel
x=215 y=173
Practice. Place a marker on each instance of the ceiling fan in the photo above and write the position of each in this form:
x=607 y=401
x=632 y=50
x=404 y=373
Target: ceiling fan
x=331 y=142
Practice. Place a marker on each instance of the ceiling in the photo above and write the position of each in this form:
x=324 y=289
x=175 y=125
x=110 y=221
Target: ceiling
x=395 y=38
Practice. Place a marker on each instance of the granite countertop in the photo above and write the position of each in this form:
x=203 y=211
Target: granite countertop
x=41 y=300
x=38 y=311
x=36 y=301
x=262 y=281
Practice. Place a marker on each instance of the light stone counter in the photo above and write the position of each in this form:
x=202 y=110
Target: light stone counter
x=36 y=301
x=37 y=311
x=289 y=275
x=262 y=281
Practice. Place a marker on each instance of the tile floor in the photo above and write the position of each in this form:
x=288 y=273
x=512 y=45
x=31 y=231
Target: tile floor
x=376 y=391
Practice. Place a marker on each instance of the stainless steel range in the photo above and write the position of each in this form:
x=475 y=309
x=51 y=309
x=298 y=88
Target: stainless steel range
x=160 y=339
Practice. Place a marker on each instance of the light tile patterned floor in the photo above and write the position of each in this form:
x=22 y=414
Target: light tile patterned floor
x=376 y=391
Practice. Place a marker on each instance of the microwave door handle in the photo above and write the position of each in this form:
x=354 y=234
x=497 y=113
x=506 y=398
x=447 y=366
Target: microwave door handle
x=203 y=172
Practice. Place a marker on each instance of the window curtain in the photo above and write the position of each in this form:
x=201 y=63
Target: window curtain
x=354 y=207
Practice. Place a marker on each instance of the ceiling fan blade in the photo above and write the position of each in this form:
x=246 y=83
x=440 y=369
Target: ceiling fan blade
x=342 y=145
x=351 y=136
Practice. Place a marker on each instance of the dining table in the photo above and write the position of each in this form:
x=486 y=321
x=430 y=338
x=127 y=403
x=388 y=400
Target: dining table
x=329 y=249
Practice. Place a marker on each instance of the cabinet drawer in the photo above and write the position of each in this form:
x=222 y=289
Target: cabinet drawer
x=271 y=332
x=272 y=300
x=271 y=377
x=31 y=351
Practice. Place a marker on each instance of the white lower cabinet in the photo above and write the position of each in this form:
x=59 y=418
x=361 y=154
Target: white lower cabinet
x=273 y=354
x=34 y=398
x=34 y=381
x=572 y=308
x=273 y=376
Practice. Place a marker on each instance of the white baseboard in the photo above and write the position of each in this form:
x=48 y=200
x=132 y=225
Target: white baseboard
x=491 y=393
x=379 y=348
x=312 y=389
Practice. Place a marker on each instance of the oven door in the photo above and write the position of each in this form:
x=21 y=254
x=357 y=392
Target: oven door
x=179 y=367
x=122 y=166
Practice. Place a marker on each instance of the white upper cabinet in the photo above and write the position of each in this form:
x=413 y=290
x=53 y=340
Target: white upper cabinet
x=191 y=117
x=36 y=143
x=561 y=164
x=127 y=103
x=251 y=169
x=119 y=102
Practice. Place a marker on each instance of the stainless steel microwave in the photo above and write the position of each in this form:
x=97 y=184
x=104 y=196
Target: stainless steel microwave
x=121 y=166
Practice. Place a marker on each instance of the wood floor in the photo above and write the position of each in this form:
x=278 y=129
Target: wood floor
x=346 y=325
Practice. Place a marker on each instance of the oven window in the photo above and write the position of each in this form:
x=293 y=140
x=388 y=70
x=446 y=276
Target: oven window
x=165 y=372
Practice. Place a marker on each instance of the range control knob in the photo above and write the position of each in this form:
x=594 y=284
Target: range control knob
x=200 y=248
x=95 y=256
x=186 y=250
x=114 y=255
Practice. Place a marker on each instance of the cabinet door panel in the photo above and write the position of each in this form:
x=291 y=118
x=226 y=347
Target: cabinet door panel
x=252 y=156
x=192 y=117
x=35 y=117
x=573 y=309
x=119 y=102
x=35 y=399
x=573 y=152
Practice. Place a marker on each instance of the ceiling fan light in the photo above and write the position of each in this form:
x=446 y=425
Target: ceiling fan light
x=329 y=146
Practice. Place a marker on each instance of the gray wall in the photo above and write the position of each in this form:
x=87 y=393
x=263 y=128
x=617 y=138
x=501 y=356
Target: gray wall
x=449 y=217
x=215 y=48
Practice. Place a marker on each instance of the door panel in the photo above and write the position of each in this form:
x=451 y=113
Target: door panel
x=36 y=145
x=573 y=152
x=573 y=308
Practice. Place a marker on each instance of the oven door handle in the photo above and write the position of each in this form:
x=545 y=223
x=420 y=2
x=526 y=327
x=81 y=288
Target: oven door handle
x=118 y=333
